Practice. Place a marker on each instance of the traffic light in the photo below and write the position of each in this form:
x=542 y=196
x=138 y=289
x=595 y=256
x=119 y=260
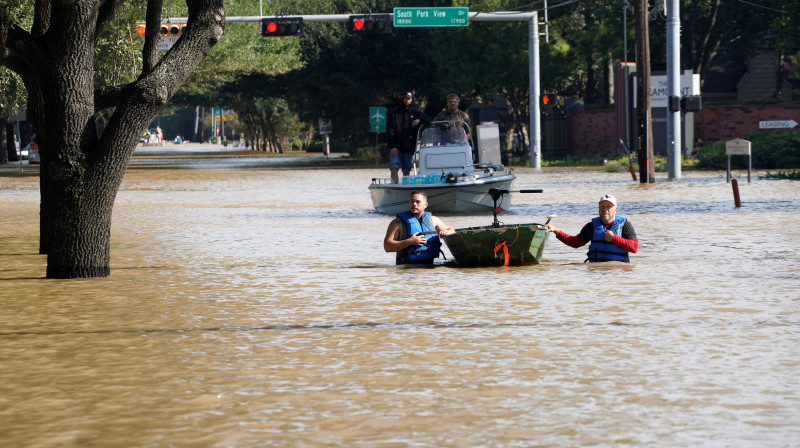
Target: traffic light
x=282 y=26
x=548 y=101
x=167 y=29
x=370 y=24
x=172 y=29
x=692 y=103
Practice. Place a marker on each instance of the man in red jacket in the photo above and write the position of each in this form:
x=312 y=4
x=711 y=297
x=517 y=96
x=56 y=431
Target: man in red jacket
x=612 y=237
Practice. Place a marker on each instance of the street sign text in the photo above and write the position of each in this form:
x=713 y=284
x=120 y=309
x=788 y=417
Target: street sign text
x=445 y=16
x=778 y=124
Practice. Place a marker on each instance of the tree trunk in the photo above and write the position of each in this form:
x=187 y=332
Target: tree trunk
x=7 y=152
x=81 y=171
x=608 y=79
x=78 y=225
x=590 y=94
x=13 y=155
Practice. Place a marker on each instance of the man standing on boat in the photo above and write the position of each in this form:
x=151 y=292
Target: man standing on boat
x=401 y=135
x=453 y=113
x=612 y=237
x=414 y=234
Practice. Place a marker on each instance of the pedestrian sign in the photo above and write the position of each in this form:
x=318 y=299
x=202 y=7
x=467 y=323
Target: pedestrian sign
x=377 y=119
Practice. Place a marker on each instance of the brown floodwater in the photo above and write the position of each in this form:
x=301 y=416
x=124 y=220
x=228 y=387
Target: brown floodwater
x=253 y=305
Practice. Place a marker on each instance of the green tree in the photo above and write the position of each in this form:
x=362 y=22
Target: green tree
x=13 y=95
x=12 y=101
x=82 y=162
x=221 y=79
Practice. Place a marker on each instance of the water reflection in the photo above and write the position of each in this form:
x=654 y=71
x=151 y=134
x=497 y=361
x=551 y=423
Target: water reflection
x=257 y=307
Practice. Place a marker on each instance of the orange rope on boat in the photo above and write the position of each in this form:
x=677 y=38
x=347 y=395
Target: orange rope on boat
x=497 y=247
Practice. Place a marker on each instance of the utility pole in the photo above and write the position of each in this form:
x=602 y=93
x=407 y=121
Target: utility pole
x=674 y=131
x=534 y=93
x=643 y=116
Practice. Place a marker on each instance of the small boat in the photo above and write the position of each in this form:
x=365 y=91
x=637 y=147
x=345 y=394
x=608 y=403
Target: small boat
x=446 y=172
x=499 y=244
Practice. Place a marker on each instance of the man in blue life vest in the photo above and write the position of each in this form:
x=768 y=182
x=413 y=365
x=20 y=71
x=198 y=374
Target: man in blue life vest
x=414 y=234
x=612 y=237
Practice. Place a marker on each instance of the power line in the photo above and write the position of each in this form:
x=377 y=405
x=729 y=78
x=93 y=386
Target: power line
x=763 y=7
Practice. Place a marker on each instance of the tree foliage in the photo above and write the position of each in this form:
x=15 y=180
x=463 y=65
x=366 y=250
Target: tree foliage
x=329 y=73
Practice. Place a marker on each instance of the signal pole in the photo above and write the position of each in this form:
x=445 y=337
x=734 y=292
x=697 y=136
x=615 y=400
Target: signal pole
x=674 y=128
x=643 y=115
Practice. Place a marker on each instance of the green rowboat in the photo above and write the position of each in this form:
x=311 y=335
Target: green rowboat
x=499 y=244
x=511 y=245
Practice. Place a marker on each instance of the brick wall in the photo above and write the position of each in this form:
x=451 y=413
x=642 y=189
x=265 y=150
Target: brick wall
x=591 y=132
x=718 y=123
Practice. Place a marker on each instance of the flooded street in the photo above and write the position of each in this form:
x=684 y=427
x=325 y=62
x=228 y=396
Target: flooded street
x=254 y=306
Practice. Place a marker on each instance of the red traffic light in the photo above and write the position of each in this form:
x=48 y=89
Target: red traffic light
x=370 y=24
x=282 y=26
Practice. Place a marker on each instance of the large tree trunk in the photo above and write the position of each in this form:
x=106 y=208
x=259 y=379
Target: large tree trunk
x=81 y=171
x=8 y=152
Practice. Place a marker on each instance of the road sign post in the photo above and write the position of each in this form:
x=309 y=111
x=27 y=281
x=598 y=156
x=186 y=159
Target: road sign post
x=739 y=147
x=377 y=124
x=445 y=16
x=325 y=126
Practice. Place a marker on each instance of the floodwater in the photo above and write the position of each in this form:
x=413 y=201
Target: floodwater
x=254 y=306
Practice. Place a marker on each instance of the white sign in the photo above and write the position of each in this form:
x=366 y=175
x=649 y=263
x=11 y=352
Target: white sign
x=167 y=42
x=782 y=124
x=659 y=90
x=325 y=125
x=737 y=147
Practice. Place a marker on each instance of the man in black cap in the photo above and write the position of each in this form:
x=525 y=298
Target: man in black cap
x=401 y=136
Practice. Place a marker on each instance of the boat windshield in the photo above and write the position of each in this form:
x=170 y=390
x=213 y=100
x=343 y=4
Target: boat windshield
x=444 y=133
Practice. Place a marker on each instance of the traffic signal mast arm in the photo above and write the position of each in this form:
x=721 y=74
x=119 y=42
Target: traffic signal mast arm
x=498 y=16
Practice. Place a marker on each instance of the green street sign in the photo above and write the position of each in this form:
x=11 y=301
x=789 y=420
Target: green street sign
x=377 y=119
x=445 y=16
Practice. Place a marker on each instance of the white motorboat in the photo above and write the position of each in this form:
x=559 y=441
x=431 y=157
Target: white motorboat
x=446 y=171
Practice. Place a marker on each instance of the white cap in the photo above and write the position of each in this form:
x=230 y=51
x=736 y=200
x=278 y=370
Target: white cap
x=609 y=198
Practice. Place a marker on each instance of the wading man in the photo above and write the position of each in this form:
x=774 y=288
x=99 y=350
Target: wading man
x=414 y=234
x=612 y=237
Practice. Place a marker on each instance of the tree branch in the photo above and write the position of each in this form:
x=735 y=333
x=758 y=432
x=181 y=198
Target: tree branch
x=41 y=17
x=152 y=35
x=105 y=14
x=137 y=103
x=109 y=96
x=19 y=42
